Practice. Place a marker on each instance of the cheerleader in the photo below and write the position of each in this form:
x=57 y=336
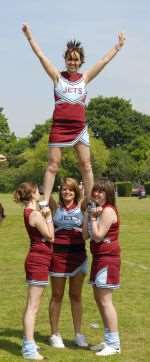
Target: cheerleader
x=68 y=261
x=102 y=223
x=69 y=124
x=37 y=263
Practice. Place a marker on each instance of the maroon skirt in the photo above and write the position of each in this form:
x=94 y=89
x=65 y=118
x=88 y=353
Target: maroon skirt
x=111 y=264
x=67 y=258
x=66 y=133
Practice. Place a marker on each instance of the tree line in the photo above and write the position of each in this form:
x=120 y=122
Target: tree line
x=120 y=146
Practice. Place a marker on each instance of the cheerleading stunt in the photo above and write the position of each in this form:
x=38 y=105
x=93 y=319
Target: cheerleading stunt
x=69 y=123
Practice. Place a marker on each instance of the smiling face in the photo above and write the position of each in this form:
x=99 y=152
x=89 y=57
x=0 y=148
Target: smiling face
x=99 y=196
x=67 y=194
x=73 y=61
x=104 y=192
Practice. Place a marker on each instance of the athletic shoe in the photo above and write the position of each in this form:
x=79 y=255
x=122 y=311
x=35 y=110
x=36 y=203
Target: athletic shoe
x=98 y=347
x=29 y=350
x=56 y=341
x=80 y=340
x=37 y=356
x=36 y=345
x=108 y=351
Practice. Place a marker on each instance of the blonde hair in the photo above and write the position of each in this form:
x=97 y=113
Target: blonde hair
x=72 y=184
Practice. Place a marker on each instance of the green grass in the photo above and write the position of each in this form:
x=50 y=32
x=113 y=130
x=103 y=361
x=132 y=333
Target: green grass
x=132 y=300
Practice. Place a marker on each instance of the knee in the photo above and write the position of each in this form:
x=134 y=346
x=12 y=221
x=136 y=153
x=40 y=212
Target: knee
x=104 y=303
x=86 y=165
x=57 y=297
x=33 y=307
x=53 y=165
x=75 y=297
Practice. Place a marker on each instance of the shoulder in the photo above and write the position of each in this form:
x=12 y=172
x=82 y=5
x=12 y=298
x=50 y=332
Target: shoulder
x=34 y=216
x=110 y=212
x=108 y=209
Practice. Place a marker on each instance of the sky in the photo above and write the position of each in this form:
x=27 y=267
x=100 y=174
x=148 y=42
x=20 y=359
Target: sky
x=26 y=92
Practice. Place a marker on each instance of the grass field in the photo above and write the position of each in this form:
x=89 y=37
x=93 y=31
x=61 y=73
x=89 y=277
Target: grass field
x=132 y=300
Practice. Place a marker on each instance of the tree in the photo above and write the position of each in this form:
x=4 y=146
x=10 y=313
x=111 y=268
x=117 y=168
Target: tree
x=4 y=131
x=121 y=166
x=38 y=132
x=114 y=120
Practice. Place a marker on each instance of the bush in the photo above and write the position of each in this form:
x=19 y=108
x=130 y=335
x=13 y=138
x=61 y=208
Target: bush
x=124 y=188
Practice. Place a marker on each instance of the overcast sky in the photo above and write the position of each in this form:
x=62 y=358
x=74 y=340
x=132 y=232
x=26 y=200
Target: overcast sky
x=26 y=92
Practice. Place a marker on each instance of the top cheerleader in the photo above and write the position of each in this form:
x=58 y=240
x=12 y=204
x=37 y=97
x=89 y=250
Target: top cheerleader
x=69 y=124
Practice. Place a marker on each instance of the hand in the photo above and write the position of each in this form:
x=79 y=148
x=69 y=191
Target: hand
x=121 y=39
x=26 y=30
x=95 y=212
x=99 y=210
x=46 y=212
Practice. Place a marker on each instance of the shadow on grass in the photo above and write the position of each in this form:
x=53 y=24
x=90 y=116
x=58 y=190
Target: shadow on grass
x=6 y=343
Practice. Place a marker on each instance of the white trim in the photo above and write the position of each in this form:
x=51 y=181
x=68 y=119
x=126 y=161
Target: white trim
x=72 y=274
x=75 y=141
x=37 y=282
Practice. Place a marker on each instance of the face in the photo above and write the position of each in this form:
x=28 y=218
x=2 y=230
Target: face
x=67 y=194
x=36 y=195
x=99 y=197
x=73 y=62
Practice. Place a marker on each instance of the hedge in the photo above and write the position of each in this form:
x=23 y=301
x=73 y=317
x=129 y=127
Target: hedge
x=124 y=188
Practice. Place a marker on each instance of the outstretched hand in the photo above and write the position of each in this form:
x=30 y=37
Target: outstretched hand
x=26 y=30
x=121 y=39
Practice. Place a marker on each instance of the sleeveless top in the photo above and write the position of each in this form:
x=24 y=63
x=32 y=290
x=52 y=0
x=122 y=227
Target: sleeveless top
x=109 y=245
x=70 y=94
x=34 y=234
x=68 y=225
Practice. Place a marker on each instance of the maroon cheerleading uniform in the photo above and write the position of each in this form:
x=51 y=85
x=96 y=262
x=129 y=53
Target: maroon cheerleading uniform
x=69 y=113
x=106 y=254
x=38 y=260
x=69 y=247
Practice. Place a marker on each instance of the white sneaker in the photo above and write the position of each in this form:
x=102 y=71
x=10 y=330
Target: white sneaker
x=98 y=347
x=108 y=351
x=56 y=341
x=37 y=356
x=80 y=340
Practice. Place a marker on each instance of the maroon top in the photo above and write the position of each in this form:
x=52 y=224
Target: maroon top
x=110 y=243
x=36 y=238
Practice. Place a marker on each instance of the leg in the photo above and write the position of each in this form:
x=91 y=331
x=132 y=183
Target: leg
x=32 y=306
x=83 y=154
x=75 y=289
x=54 y=159
x=58 y=287
x=108 y=313
x=103 y=298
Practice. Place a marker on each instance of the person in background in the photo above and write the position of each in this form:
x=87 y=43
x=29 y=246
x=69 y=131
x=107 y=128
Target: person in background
x=2 y=212
x=69 y=124
x=102 y=224
x=68 y=261
x=41 y=233
x=3 y=158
